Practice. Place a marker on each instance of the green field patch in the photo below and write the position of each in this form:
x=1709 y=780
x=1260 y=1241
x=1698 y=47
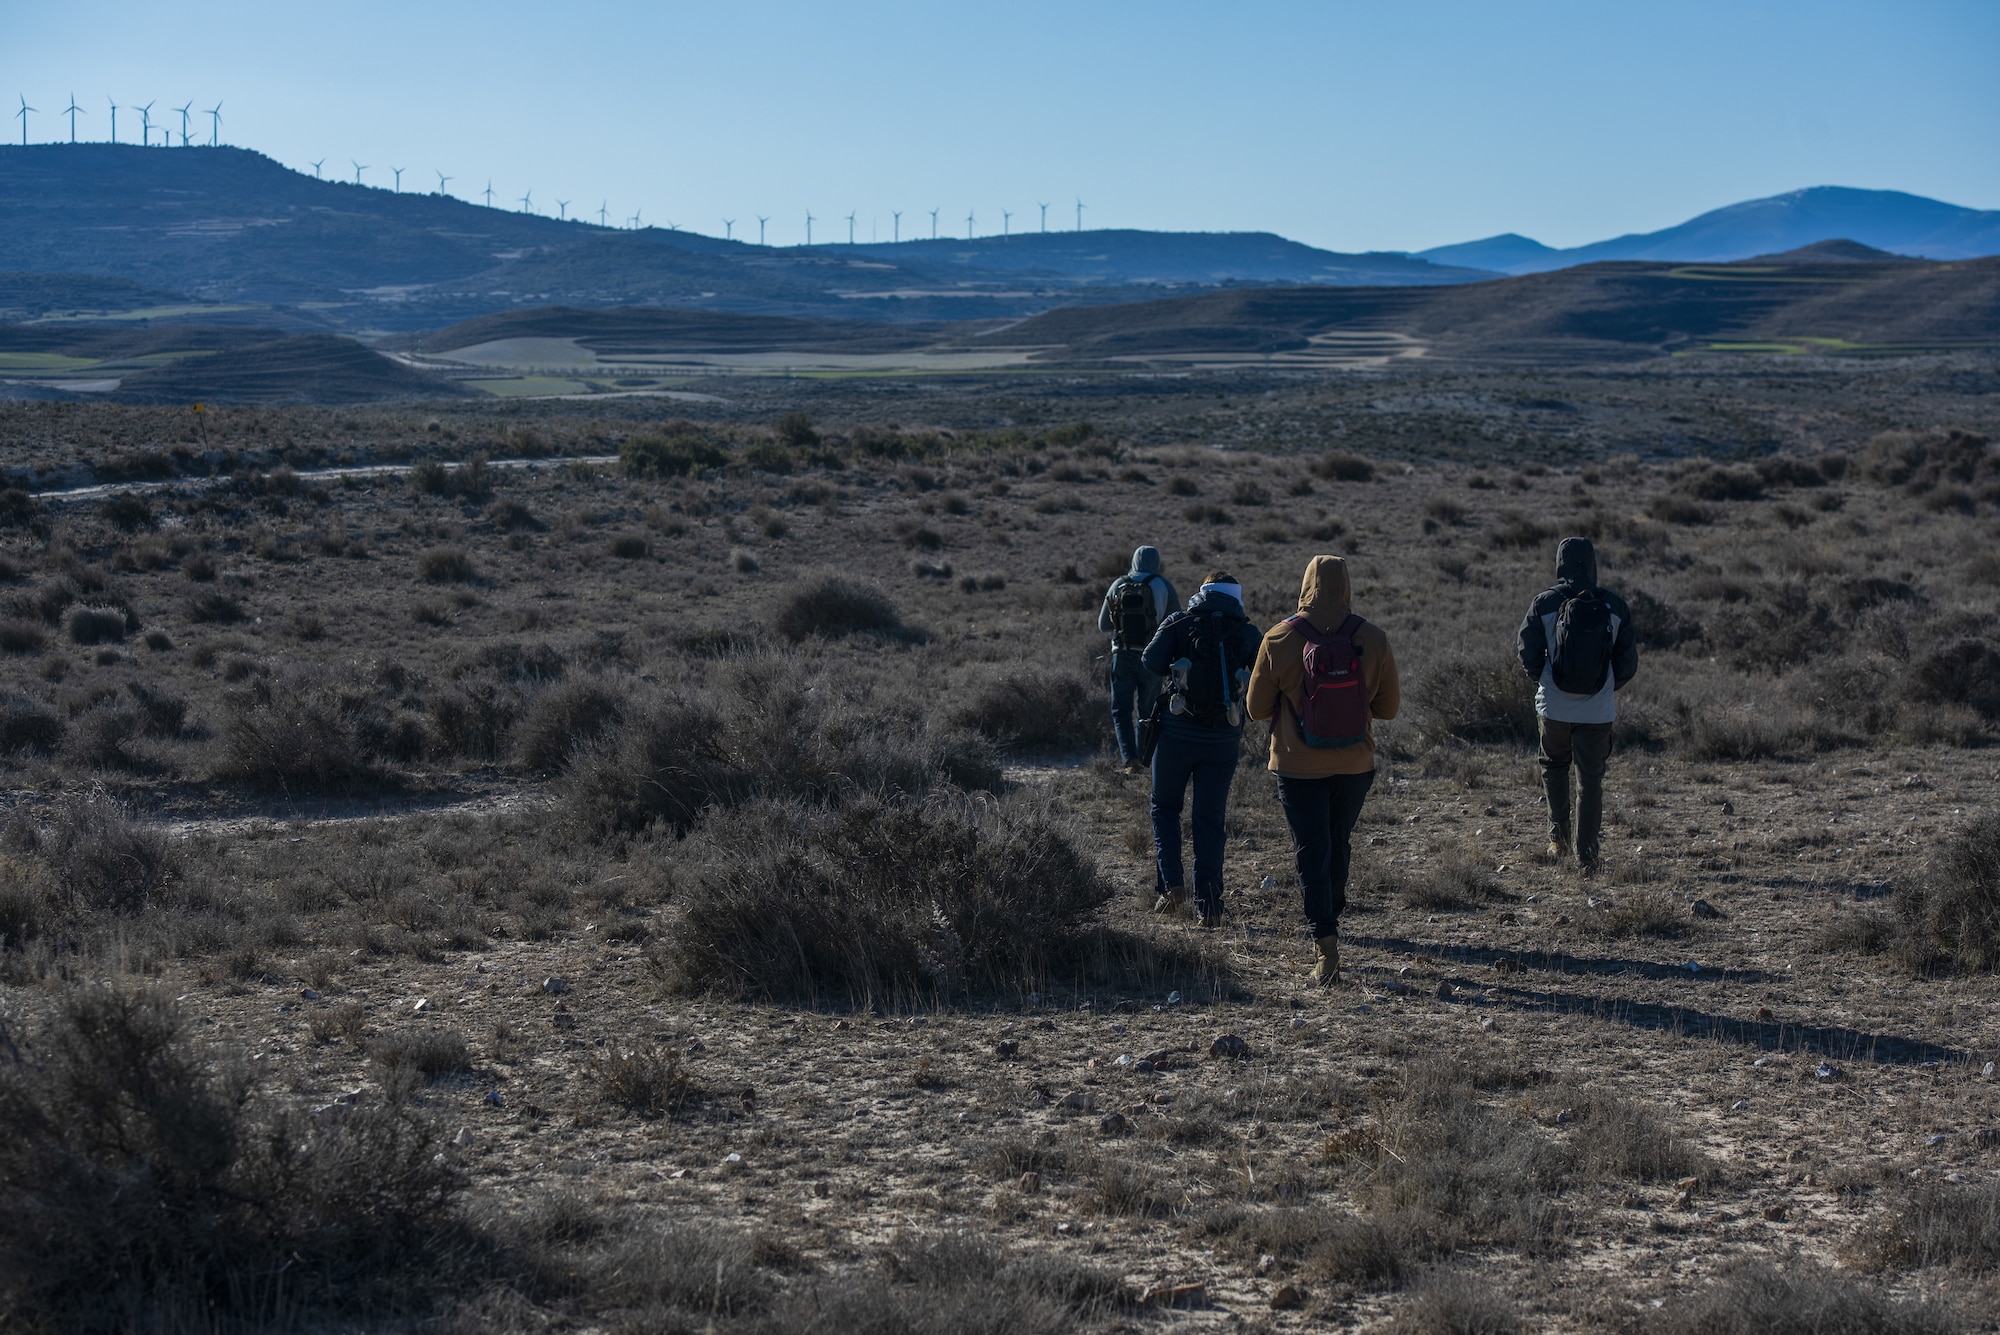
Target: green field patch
x=1737 y=274
x=43 y=361
x=528 y=386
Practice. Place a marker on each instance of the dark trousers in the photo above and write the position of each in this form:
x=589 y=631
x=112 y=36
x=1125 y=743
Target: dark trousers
x=1588 y=745
x=1209 y=763
x=1133 y=691
x=1322 y=813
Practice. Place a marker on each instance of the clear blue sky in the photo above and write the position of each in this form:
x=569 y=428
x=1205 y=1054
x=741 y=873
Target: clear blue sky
x=1348 y=125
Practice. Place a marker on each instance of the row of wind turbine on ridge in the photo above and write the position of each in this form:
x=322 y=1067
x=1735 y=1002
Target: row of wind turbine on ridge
x=185 y=112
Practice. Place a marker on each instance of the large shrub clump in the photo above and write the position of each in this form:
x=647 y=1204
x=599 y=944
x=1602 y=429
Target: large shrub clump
x=834 y=607
x=1950 y=913
x=146 y=1188
x=877 y=899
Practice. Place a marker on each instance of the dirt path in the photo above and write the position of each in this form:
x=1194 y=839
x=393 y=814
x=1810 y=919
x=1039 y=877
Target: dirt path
x=307 y=475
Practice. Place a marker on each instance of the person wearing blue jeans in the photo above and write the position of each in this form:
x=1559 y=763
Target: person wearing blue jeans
x=1132 y=610
x=1207 y=650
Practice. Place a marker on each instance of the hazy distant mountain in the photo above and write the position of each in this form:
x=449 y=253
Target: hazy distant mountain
x=1136 y=257
x=1884 y=219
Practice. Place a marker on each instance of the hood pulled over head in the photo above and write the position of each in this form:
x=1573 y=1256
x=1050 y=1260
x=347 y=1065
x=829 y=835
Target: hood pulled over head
x=1576 y=562
x=1146 y=561
x=1324 y=594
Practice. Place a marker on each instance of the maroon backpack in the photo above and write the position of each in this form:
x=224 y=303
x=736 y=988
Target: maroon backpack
x=1336 y=695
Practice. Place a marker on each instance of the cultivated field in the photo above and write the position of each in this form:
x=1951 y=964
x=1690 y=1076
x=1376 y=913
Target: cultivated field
x=691 y=892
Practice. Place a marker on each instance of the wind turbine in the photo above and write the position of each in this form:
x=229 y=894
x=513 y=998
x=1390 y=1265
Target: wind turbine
x=761 y=220
x=562 y=210
x=23 y=114
x=809 y=212
x=1045 y=217
x=603 y=211
x=728 y=229
x=489 y=194
x=850 y=228
x=442 y=178
x=528 y=202
x=316 y=167
x=359 y=167
x=73 y=111
x=184 y=121
x=968 y=224
x=1079 y=215
x=215 y=125
x=145 y=123
x=114 y=120
x=636 y=214
x=1005 y=218
x=399 y=178
x=898 y=216
x=934 y=214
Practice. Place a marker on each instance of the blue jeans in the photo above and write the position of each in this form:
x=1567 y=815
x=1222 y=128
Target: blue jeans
x=1322 y=813
x=1207 y=758
x=1133 y=691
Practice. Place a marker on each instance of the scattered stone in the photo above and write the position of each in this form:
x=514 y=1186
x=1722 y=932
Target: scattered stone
x=1229 y=1047
x=420 y=1005
x=1007 y=1047
x=1688 y=1183
x=1268 y=883
x=1298 y=1022
x=1114 y=1124
x=1826 y=1071
x=732 y=1163
x=1684 y=1200
x=1565 y=1117
x=555 y=987
x=1485 y=1022
x=1704 y=909
x=1117 y=1028
x=1934 y=1141
x=1740 y=1105
x=1258 y=1130
x=1124 y=1059
x=1081 y=1100
x=839 y=1025
x=678 y=1174
x=1761 y=1061
x=1175 y=1295
x=1987 y=1070
x=563 y=1020
x=311 y=995
x=1173 y=998
x=496 y=1098
x=1049 y=1025
x=821 y=1191
x=1445 y=990
x=1766 y=1013
x=1144 y=1066
x=1265 y=1263
x=464 y=1138
x=1774 y=1214
x=1286 y=1298
x=1030 y=1183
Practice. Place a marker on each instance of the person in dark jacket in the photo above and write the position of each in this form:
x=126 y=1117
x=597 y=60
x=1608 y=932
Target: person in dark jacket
x=1575 y=727
x=1133 y=688
x=1206 y=650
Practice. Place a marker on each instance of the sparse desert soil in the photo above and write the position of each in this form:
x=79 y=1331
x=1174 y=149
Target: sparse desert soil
x=1522 y=1069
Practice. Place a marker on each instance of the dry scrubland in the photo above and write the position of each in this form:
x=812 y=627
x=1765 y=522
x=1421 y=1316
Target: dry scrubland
x=691 y=892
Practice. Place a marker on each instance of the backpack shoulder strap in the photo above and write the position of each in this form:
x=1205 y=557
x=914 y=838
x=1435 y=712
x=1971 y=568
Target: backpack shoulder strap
x=1298 y=622
x=1350 y=630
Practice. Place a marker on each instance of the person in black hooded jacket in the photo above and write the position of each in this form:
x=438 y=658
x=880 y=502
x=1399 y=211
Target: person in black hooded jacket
x=1206 y=651
x=1575 y=726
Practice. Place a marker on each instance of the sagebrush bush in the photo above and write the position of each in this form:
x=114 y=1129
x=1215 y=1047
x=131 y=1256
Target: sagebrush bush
x=27 y=724
x=652 y=1081
x=563 y=718
x=834 y=607
x=876 y=898
x=299 y=734
x=102 y=737
x=1758 y=1299
x=1343 y=467
x=673 y=454
x=1043 y=710
x=149 y=1186
x=1950 y=911
x=445 y=565
x=101 y=859
x=1476 y=700
x=97 y=625
x=21 y=637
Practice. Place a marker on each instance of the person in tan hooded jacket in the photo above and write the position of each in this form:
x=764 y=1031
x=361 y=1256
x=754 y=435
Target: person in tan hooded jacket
x=1321 y=787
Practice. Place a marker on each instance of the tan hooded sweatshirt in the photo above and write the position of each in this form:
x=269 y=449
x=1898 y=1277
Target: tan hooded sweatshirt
x=1325 y=599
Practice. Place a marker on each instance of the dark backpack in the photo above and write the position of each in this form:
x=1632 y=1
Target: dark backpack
x=1213 y=660
x=1580 y=658
x=1135 y=612
x=1335 y=712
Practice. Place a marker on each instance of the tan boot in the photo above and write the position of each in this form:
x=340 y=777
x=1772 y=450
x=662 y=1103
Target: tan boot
x=1326 y=961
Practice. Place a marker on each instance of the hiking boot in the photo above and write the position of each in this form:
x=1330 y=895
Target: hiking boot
x=1173 y=902
x=1588 y=867
x=1209 y=922
x=1326 y=961
x=1133 y=767
x=1558 y=850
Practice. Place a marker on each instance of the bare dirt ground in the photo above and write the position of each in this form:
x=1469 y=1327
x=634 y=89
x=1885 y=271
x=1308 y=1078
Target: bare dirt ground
x=1587 y=1103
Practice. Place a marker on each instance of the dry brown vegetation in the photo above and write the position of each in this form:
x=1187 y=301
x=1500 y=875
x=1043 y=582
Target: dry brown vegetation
x=688 y=890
